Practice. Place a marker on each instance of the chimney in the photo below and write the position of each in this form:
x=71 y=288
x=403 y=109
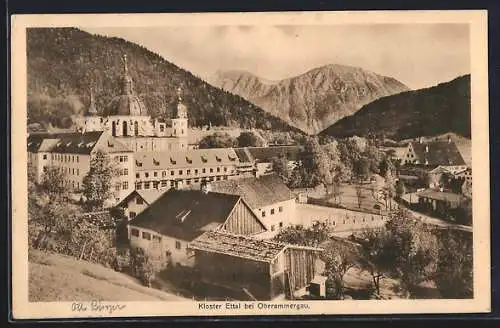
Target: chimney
x=420 y=140
x=449 y=139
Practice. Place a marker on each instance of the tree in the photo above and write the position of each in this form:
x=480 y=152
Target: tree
x=361 y=168
x=389 y=189
x=143 y=267
x=280 y=166
x=454 y=273
x=96 y=184
x=249 y=139
x=412 y=248
x=359 y=194
x=339 y=257
x=299 y=235
x=218 y=140
x=54 y=181
x=318 y=162
x=372 y=256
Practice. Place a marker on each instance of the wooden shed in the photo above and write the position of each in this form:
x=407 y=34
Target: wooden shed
x=263 y=269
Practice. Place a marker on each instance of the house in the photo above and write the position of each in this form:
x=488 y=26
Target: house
x=137 y=201
x=434 y=153
x=465 y=174
x=73 y=152
x=268 y=196
x=440 y=203
x=262 y=157
x=466 y=188
x=264 y=269
x=178 y=217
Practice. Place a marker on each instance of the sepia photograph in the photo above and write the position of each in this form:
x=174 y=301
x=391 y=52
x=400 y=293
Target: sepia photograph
x=250 y=163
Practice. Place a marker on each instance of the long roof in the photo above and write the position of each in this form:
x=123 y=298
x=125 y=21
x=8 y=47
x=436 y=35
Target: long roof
x=257 y=192
x=239 y=246
x=442 y=196
x=75 y=143
x=194 y=158
x=185 y=214
x=266 y=154
x=438 y=153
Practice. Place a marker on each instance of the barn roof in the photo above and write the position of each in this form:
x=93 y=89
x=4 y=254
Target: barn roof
x=257 y=192
x=442 y=196
x=238 y=246
x=438 y=153
x=184 y=214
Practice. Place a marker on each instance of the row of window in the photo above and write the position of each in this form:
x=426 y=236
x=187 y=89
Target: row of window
x=188 y=172
x=171 y=183
x=121 y=159
x=63 y=158
x=148 y=236
x=124 y=172
x=121 y=185
x=66 y=170
x=272 y=211
x=280 y=226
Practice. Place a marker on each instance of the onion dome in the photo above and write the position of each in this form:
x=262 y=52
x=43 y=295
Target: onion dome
x=128 y=103
x=181 y=108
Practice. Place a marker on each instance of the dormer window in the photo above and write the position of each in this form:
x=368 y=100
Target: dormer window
x=218 y=158
x=204 y=159
x=110 y=144
x=137 y=163
x=172 y=161
x=155 y=162
x=189 y=160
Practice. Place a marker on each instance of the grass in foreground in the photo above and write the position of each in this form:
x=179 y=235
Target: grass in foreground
x=54 y=277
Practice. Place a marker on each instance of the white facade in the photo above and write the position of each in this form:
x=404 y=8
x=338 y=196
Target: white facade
x=277 y=216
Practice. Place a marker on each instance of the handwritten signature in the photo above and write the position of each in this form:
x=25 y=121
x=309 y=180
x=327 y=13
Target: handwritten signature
x=96 y=306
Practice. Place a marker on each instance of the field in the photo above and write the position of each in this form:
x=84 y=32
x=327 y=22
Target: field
x=54 y=277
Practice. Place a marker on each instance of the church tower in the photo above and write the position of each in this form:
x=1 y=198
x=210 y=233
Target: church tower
x=180 y=122
x=92 y=118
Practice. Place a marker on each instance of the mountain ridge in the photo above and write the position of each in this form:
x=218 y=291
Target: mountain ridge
x=430 y=111
x=312 y=100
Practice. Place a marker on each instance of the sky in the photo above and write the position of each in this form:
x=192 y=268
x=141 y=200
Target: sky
x=418 y=55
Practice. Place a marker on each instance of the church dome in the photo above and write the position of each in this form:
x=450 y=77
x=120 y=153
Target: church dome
x=127 y=104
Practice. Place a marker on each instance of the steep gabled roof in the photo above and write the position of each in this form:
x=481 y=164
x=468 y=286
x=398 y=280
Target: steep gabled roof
x=438 y=153
x=184 y=214
x=257 y=192
x=148 y=195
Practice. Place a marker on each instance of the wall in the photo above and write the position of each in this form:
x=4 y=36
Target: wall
x=123 y=184
x=272 y=221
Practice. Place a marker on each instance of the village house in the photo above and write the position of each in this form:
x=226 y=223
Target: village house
x=434 y=153
x=268 y=196
x=440 y=203
x=137 y=201
x=262 y=157
x=178 y=217
x=263 y=269
x=72 y=154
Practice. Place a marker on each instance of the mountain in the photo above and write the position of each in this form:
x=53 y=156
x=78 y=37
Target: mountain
x=432 y=111
x=64 y=63
x=314 y=100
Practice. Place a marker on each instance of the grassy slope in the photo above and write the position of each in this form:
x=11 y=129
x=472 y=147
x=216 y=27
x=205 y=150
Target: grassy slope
x=55 y=277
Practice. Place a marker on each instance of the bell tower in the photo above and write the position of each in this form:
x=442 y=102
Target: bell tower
x=180 y=122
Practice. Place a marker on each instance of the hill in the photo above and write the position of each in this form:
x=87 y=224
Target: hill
x=63 y=63
x=425 y=112
x=54 y=277
x=314 y=100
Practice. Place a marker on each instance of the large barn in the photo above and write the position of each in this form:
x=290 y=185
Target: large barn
x=263 y=269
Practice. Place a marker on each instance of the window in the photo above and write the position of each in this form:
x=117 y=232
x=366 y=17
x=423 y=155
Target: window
x=134 y=232
x=146 y=174
x=280 y=209
x=188 y=181
x=272 y=211
x=172 y=173
x=73 y=171
x=45 y=156
x=225 y=169
x=164 y=183
x=281 y=225
x=146 y=235
x=188 y=172
x=137 y=175
x=225 y=177
x=204 y=171
x=172 y=183
x=177 y=244
x=218 y=178
x=125 y=171
x=139 y=201
x=196 y=171
x=155 y=174
x=73 y=158
x=180 y=172
x=155 y=184
x=272 y=227
x=263 y=214
x=211 y=170
x=117 y=186
x=77 y=158
x=163 y=174
x=125 y=185
x=132 y=215
x=138 y=186
x=146 y=185
x=218 y=169
x=77 y=171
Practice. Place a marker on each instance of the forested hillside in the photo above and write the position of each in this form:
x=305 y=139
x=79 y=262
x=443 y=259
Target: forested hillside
x=64 y=63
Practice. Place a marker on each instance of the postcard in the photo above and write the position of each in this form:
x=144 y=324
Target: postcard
x=226 y=164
